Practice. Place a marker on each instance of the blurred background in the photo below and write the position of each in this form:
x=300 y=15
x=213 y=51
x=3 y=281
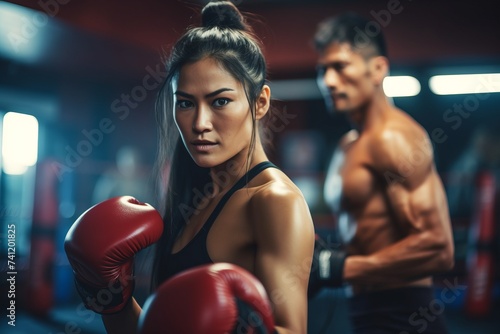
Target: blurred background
x=78 y=80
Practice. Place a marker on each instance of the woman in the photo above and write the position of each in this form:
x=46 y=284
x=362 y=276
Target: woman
x=225 y=202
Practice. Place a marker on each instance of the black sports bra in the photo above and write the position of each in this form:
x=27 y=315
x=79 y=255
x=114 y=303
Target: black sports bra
x=195 y=252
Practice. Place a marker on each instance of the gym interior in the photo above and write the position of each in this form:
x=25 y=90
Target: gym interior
x=78 y=86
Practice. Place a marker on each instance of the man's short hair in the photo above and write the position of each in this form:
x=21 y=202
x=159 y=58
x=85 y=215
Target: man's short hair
x=353 y=29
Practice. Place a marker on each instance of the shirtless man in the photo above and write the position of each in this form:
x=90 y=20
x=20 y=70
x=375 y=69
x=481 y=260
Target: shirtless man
x=383 y=186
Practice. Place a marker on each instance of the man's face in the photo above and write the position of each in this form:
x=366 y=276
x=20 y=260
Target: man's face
x=345 y=77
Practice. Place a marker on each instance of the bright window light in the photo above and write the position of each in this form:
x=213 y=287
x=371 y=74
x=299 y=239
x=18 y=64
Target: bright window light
x=19 y=142
x=398 y=86
x=24 y=32
x=465 y=84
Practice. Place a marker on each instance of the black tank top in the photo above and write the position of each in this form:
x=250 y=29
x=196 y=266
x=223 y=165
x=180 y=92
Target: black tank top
x=195 y=253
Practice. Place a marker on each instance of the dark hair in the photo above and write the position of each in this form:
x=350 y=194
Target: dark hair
x=353 y=29
x=225 y=37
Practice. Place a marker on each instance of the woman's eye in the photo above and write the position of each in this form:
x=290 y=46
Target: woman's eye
x=221 y=102
x=184 y=104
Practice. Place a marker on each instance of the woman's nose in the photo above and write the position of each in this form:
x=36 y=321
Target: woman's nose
x=202 y=121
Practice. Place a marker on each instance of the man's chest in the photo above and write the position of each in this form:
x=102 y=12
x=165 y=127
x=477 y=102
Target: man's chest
x=350 y=181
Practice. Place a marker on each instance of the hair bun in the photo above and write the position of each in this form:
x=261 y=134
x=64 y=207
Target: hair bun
x=223 y=14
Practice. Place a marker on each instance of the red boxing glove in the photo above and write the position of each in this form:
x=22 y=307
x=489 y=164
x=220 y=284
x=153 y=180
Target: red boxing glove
x=101 y=246
x=209 y=299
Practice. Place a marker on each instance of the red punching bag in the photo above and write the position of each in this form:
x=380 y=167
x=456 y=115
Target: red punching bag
x=40 y=289
x=480 y=264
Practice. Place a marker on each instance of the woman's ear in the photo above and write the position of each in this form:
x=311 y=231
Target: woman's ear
x=263 y=102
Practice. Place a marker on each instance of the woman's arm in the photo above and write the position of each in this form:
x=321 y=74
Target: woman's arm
x=125 y=321
x=284 y=235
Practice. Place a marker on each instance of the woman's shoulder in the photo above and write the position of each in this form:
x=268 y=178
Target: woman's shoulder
x=274 y=191
x=273 y=182
x=277 y=207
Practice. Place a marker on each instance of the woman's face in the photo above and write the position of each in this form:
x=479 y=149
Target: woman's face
x=212 y=113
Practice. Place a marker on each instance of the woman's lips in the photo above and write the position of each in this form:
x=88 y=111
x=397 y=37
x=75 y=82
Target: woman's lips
x=203 y=146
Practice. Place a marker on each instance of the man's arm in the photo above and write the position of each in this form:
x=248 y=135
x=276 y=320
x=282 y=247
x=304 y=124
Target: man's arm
x=284 y=235
x=417 y=201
